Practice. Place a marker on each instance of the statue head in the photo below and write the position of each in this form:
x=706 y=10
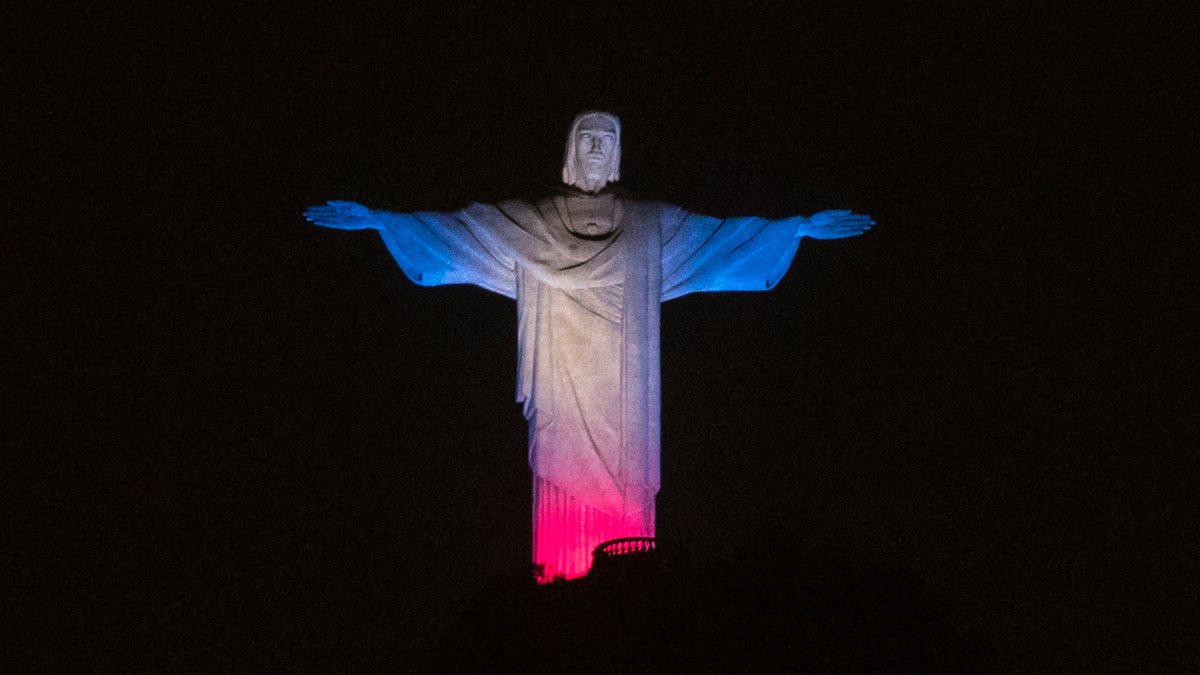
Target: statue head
x=593 y=157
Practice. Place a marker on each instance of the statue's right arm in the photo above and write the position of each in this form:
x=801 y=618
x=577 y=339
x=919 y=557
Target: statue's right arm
x=343 y=216
x=433 y=249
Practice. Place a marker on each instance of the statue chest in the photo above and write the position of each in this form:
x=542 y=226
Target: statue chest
x=591 y=216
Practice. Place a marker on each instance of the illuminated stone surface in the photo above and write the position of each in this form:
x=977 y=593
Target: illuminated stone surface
x=588 y=269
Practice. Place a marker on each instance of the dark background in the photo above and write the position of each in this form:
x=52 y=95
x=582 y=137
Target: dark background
x=237 y=440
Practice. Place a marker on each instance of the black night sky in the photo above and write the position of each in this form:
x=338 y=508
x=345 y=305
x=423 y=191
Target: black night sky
x=238 y=440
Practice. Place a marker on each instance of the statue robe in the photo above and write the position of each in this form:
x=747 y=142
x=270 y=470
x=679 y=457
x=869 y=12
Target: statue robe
x=588 y=338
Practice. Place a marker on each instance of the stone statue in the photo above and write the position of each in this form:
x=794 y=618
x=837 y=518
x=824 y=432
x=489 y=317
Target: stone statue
x=588 y=268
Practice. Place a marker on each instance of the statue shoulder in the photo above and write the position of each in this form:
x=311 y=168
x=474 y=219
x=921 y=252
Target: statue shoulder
x=517 y=209
x=664 y=211
x=516 y=203
x=645 y=204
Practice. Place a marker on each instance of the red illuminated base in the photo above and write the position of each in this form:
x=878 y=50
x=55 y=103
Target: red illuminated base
x=565 y=532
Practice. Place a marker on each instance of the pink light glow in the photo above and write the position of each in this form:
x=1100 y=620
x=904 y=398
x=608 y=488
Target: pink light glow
x=566 y=531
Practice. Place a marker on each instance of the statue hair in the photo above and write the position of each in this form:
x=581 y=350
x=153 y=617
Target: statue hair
x=614 y=173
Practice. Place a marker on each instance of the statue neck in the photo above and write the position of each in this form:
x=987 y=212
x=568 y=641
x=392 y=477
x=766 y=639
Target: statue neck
x=590 y=186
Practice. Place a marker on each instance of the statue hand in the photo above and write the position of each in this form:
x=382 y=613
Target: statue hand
x=836 y=224
x=341 y=215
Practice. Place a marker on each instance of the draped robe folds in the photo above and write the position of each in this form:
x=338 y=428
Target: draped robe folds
x=588 y=337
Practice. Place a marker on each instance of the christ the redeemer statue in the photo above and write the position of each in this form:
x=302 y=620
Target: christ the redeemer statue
x=588 y=268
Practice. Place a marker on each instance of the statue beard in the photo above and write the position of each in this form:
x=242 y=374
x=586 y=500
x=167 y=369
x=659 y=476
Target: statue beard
x=592 y=177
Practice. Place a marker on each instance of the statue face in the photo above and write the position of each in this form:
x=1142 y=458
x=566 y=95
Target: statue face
x=595 y=147
x=593 y=157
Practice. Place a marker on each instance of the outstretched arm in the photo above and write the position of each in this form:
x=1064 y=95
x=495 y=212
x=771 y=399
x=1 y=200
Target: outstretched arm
x=342 y=216
x=834 y=224
x=702 y=253
x=433 y=249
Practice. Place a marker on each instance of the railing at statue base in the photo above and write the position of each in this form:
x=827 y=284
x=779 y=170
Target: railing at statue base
x=624 y=556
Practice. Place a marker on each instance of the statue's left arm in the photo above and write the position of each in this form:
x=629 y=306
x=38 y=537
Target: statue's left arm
x=702 y=253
